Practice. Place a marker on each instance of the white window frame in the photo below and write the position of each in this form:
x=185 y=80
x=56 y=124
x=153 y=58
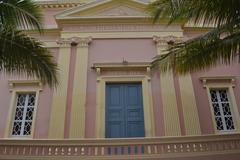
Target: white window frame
x=227 y=83
x=25 y=107
x=221 y=110
x=22 y=87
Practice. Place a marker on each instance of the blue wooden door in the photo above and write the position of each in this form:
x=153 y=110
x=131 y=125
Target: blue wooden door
x=124 y=111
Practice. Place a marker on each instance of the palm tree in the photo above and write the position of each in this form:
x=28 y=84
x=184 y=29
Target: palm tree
x=20 y=53
x=221 y=45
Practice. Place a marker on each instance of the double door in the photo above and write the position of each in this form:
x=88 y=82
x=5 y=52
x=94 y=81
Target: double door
x=124 y=110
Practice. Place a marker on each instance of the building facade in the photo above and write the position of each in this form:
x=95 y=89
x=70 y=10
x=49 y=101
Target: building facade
x=110 y=104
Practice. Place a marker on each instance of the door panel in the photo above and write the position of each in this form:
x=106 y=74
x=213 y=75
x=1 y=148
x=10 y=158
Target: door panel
x=124 y=111
x=134 y=111
x=115 y=111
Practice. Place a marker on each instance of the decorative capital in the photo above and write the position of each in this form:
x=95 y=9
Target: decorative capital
x=81 y=42
x=167 y=40
x=64 y=42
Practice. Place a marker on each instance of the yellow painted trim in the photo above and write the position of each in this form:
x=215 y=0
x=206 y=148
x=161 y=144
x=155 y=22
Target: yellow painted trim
x=93 y=8
x=77 y=123
x=147 y=102
x=233 y=104
x=121 y=65
x=169 y=147
x=189 y=106
x=122 y=34
x=57 y=117
x=14 y=90
x=169 y=101
x=50 y=44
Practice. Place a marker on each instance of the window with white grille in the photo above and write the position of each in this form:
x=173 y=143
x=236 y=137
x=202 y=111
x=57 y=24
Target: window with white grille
x=222 y=109
x=23 y=118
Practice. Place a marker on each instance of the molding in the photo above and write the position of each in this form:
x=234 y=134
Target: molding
x=119 y=34
x=122 y=66
x=226 y=82
x=19 y=87
x=122 y=27
x=16 y=83
x=60 y=3
x=218 y=80
x=154 y=148
x=63 y=5
x=147 y=102
x=123 y=141
x=94 y=4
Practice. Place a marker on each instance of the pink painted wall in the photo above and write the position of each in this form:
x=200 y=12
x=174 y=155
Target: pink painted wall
x=49 y=17
x=70 y=91
x=44 y=108
x=157 y=105
x=201 y=93
x=179 y=105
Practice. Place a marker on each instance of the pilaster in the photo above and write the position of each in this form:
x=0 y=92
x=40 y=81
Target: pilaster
x=190 y=111
x=189 y=107
x=77 y=123
x=57 y=117
x=169 y=100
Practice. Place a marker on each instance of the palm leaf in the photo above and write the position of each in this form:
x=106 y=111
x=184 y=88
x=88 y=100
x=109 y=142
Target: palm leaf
x=219 y=46
x=22 y=14
x=24 y=55
x=205 y=12
x=202 y=52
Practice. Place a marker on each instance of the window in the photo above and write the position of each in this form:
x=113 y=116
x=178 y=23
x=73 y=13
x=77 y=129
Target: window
x=23 y=117
x=222 y=109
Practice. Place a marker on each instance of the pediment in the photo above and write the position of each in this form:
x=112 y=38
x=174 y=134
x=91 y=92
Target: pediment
x=106 y=9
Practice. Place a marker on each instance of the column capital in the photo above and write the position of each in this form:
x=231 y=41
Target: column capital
x=166 y=40
x=64 y=42
x=81 y=41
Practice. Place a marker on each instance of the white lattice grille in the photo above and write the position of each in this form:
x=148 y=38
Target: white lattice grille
x=25 y=105
x=222 y=109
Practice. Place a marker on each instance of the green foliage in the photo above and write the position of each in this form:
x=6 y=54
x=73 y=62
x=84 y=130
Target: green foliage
x=20 y=53
x=221 y=45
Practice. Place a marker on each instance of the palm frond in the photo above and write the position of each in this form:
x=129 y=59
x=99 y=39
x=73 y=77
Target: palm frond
x=202 y=52
x=24 y=55
x=22 y=14
x=205 y=12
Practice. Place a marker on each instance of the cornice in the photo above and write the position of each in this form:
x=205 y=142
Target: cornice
x=61 y=3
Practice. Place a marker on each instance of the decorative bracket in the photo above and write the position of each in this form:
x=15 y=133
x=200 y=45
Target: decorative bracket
x=230 y=80
x=79 y=41
x=15 y=83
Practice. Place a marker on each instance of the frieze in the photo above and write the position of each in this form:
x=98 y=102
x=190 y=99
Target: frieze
x=123 y=73
x=122 y=27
